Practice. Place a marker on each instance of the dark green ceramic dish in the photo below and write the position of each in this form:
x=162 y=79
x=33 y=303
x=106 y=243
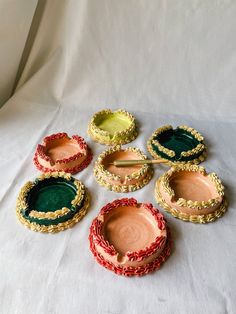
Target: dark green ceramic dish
x=180 y=145
x=51 y=200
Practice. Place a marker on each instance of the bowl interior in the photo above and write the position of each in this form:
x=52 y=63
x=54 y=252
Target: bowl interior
x=177 y=140
x=192 y=186
x=62 y=148
x=51 y=194
x=112 y=122
x=121 y=155
x=130 y=229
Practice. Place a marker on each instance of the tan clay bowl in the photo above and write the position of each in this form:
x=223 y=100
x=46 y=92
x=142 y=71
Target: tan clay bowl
x=122 y=179
x=59 y=152
x=129 y=238
x=189 y=193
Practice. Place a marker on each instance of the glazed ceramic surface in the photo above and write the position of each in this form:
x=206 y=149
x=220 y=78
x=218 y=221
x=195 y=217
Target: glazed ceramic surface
x=122 y=179
x=192 y=186
x=121 y=155
x=129 y=229
x=53 y=202
x=112 y=128
x=180 y=145
x=129 y=238
x=113 y=122
x=189 y=193
x=59 y=152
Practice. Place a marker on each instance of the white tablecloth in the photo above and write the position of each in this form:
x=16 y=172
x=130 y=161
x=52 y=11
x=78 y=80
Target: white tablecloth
x=44 y=273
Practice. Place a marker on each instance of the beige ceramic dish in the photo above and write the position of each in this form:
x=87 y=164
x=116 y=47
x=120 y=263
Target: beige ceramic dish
x=189 y=193
x=59 y=152
x=129 y=238
x=122 y=179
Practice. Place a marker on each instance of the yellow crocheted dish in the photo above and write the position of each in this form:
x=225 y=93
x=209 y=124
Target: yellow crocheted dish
x=112 y=128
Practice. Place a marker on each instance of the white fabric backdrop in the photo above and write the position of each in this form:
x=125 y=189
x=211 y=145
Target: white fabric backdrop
x=15 y=20
x=165 y=62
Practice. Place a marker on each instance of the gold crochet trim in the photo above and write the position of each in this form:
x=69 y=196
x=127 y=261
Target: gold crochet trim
x=194 y=132
x=163 y=149
x=49 y=215
x=110 y=143
x=199 y=148
x=217 y=182
x=166 y=186
x=187 y=217
x=189 y=167
x=55 y=174
x=125 y=188
x=197 y=204
x=122 y=137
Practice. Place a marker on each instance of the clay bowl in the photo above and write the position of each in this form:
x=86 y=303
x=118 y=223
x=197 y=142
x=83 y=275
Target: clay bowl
x=180 y=145
x=129 y=238
x=59 y=152
x=189 y=193
x=122 y=179
x=53 y=202
x=112 y=128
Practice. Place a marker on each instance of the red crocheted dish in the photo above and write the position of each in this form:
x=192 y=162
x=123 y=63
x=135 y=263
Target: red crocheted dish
x=59 y=152
x=130 y=238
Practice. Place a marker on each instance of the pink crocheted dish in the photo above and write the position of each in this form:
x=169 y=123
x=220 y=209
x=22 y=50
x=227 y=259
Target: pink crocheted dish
x=59 y=152
x=130 y=238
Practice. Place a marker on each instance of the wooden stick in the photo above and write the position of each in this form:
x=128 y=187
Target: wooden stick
x=126 y=163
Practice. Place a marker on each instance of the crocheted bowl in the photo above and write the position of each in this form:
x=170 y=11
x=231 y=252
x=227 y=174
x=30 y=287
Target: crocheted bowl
x=52 y=203
x=122 y=179
x=59 y=152
x=189 y=193
x=129 y=238
x=112 y=128
x=180 y=145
